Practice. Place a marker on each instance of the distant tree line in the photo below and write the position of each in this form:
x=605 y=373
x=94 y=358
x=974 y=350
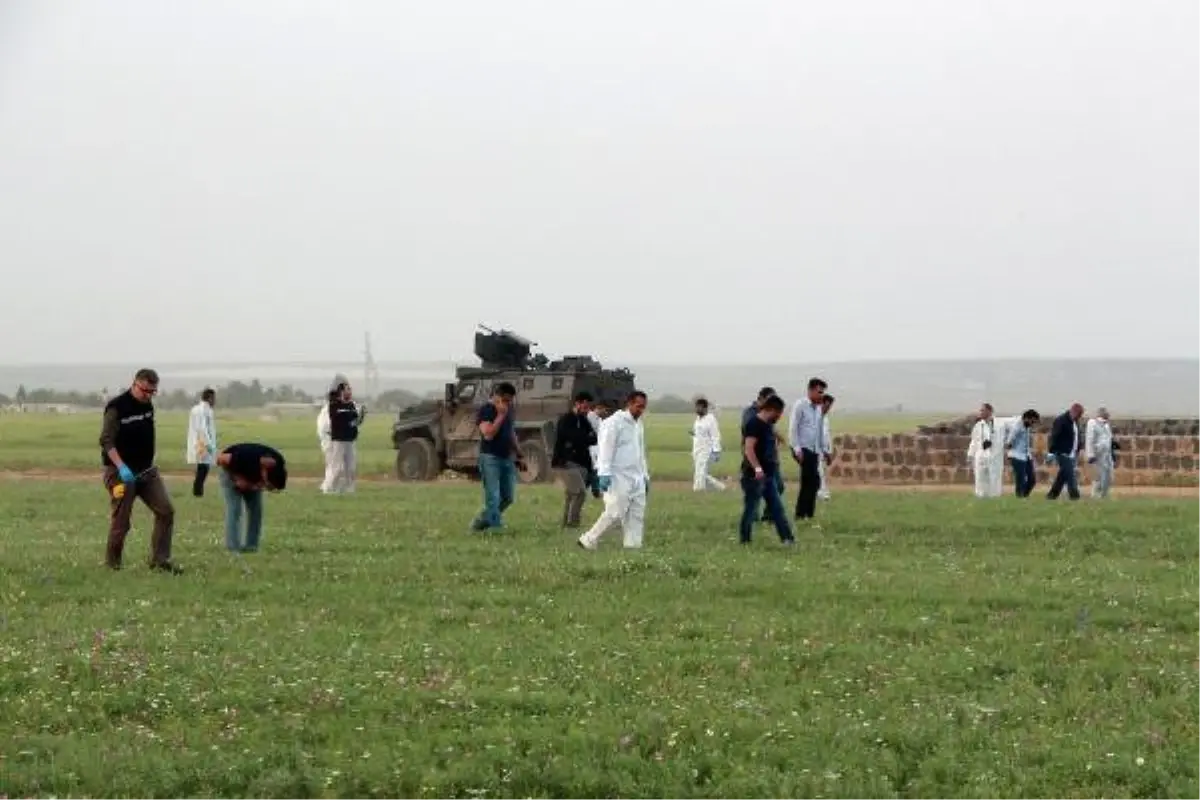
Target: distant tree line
x=234 y=394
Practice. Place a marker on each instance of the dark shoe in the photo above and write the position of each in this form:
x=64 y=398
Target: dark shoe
x=113 y=565
x=167 y=566
x=249 y=550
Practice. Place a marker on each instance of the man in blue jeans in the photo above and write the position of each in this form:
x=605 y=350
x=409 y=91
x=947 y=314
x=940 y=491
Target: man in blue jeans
x=748 y=414
x=1063 y=447
x=760 y=466
x=247 y=470
x=1020 y=452
x=499 y=457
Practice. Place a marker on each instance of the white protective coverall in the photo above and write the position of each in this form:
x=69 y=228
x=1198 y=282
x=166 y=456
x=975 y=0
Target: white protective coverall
x=1097 y=445
x=202 y=435
x=827 y=447
x=622 y=457
x=706 y=449
x=987 y=463
x=594 y=418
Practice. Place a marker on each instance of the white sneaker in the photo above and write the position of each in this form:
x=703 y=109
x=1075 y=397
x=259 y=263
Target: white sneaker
x=584 y=544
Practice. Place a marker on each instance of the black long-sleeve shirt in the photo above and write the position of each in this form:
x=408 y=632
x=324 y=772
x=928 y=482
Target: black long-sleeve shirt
x=572 y=439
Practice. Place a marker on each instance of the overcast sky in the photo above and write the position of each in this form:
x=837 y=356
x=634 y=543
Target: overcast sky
x=649 y=181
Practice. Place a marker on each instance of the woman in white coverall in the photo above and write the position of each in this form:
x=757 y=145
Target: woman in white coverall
x=706 y=448
x=622 y=474
x=986 y=455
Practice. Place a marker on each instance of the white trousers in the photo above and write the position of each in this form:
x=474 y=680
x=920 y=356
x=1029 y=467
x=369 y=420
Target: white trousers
x=341 y=467
x=1102 y=474
x=702 y=480
x=624 y=504
x=823 y=492
x=989 y=476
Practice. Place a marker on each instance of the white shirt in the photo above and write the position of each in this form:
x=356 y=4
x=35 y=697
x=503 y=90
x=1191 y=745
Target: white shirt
x=806 y=428
x=826 y=434
x=622 y=448
x=1098 y=438
x=706 y=435
x=202 y=434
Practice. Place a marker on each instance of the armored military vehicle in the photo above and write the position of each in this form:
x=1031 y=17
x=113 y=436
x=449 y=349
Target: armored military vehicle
x=437 y=435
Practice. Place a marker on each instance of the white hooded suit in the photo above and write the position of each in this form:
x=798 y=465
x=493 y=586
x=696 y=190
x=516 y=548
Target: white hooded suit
x=621 y=455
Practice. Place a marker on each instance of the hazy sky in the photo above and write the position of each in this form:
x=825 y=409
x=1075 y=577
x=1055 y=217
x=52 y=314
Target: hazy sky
x=649 y=181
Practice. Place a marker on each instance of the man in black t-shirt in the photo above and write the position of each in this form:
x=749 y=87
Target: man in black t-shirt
x=247 y=470
x=127 y=450
x=760 y=470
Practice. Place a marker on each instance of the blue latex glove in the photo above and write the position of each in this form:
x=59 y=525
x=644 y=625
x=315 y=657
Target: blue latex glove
x=604 y=482
x=126 y=474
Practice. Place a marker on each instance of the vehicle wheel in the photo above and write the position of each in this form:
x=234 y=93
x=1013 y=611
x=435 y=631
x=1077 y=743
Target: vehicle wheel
x=416 y=461
x=537 y=463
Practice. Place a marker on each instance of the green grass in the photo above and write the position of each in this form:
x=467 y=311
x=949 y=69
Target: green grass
x=69 y=442
x=920 y=645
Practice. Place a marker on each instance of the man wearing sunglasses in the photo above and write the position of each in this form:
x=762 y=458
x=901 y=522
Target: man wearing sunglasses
x=127 y=452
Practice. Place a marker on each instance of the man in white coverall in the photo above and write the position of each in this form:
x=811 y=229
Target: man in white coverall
x=202 y=439
x=1097 y=446
x=622 y=474
x=827 y=442
x=986 y=454
x=706 y=448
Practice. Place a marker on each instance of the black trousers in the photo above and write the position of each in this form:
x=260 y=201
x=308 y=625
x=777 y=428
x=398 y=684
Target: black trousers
x=810 y=484
x=198 y=483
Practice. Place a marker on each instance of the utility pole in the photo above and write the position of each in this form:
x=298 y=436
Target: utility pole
x=370 y=370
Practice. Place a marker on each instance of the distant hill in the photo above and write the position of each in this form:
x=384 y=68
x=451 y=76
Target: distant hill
x=1138 y=388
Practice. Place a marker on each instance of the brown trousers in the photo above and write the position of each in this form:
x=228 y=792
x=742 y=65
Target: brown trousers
x=153 y=492
x=574 y=478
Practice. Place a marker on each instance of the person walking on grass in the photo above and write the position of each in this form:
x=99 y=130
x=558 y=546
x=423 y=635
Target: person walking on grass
x=760 y=463
x=827 y=456
x=127 y=450
x=247 y=470
x=1098 y=447
x=202 y=439
x=1020 y=452
x=748 y=413
x=808 y=446
x=985 y=455
x=499 y=457
x=706 y=448
x=623 y=475
x=1063 y=449
x=573 y=439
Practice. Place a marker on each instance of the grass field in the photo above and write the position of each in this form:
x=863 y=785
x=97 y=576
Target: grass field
x=918 y=645
x=69 y=442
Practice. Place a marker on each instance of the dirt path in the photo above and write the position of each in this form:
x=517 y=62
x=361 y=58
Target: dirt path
x=674 y=485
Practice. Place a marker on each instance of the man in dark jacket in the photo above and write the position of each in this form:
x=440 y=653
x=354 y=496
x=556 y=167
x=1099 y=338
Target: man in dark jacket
x=573 y=440
x=127 y=450
x=1063 y=448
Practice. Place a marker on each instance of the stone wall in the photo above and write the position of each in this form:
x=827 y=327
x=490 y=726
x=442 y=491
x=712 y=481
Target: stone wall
x=1149 y=456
